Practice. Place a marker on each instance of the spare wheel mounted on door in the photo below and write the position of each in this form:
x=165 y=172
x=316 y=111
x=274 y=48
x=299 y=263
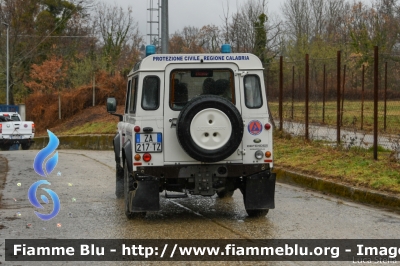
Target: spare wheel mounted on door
x=209 y=128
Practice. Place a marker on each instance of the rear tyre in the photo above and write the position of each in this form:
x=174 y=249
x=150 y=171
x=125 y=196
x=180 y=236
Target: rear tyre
x=254 y=213
x=128 y=187
x=119 y=182
x=225 y=194
x=257 y=213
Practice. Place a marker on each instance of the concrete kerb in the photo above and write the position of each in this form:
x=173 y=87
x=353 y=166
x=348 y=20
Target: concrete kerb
x=105 y=142
x=82 y=142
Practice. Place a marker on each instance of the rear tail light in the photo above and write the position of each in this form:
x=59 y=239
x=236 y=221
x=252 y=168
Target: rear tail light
x=267 y=126
x=138 y=157
x=33 y=128
x=268 y=154
x=147 y=157
x=1 y=128
x=136 y=129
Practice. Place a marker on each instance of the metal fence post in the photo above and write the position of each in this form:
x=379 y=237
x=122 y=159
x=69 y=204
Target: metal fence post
x=342 y=96
x=362 y=96
x=385 y=100
x=338 y=98
x=292 y=92
x=376 y=86
x=281 y=93
x=323 y=96
x=307 y=94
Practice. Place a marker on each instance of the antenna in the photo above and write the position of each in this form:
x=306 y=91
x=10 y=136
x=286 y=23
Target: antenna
x=154 y=22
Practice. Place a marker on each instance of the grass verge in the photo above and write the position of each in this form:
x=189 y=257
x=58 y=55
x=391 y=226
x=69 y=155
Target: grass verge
x=90 y=128
x=355 y=166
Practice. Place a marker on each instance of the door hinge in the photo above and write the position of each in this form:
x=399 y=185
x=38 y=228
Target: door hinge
x=241 y=73
x=243 y=152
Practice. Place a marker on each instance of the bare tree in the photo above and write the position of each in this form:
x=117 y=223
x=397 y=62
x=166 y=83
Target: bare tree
x=241 y=28
x=117 y=31
x=298 y=19
x=318 y=17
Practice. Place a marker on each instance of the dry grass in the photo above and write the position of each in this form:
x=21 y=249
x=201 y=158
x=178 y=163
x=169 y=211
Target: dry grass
x=355 y=166
x=351 y=114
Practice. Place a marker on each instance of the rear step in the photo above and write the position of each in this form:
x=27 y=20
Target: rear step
x=175 y=188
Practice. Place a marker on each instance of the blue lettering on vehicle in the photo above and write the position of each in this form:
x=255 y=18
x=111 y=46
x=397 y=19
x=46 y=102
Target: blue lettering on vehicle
x=238 y=57
x=167 y=58
x=214 y=58
x=205 y=58
x=192 y=58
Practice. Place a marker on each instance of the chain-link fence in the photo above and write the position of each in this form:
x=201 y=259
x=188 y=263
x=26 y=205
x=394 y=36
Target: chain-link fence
x=311 y=98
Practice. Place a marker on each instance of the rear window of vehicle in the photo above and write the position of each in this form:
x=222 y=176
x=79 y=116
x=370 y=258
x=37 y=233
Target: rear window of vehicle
x=15 y=118
x=252 y=91
x=151 y=93
x=185 y=84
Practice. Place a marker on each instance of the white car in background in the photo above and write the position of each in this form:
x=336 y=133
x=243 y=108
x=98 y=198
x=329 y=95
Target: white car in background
x=14 y=131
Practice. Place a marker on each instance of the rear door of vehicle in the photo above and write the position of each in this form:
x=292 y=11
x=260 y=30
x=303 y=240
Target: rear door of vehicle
x=173 y=152
x=255 y=116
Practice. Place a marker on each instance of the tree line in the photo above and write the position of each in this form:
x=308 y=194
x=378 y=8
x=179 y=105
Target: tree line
x=64 y=44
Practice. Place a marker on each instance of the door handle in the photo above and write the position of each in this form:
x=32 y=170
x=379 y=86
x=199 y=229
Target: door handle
x=173 y=122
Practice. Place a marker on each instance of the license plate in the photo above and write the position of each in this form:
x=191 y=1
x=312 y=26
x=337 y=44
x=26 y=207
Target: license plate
x=148 y=142
x=15 y=137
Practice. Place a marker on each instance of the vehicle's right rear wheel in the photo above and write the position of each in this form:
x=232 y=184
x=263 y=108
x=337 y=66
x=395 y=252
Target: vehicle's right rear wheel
x=129 y=186
x=254 y=212
x=257 y=213
x=225 y=194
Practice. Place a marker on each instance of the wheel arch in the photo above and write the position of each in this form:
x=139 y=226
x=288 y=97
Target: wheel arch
x=127 y=155
x=117 y=148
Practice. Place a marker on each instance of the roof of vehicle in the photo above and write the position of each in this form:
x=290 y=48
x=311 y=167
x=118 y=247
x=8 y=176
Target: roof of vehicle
x=158 y=62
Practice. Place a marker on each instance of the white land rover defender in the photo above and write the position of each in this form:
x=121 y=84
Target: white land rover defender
x=198 y=124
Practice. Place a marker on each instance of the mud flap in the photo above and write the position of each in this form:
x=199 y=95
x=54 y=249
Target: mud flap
x=260 y=191
x=146 y=197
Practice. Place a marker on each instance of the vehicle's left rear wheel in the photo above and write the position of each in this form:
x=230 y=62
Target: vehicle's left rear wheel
x=119 y=182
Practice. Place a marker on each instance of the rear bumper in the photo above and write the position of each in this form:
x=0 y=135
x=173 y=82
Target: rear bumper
x=15 y=141
x=187 y=171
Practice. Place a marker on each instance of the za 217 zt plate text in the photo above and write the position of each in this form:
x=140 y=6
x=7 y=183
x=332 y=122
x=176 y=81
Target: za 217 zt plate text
x=148 y=142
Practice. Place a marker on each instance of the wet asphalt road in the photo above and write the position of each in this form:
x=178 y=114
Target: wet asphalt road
x=89 y=209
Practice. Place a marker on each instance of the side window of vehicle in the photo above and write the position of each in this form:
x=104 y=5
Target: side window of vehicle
x=151 y=93
x=128 y=96
x=252 y=91
x=132 y=104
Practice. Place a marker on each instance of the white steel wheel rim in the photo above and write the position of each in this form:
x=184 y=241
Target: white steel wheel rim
x=210 y=129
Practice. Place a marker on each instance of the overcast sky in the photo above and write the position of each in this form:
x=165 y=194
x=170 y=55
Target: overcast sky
x=188 y=12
